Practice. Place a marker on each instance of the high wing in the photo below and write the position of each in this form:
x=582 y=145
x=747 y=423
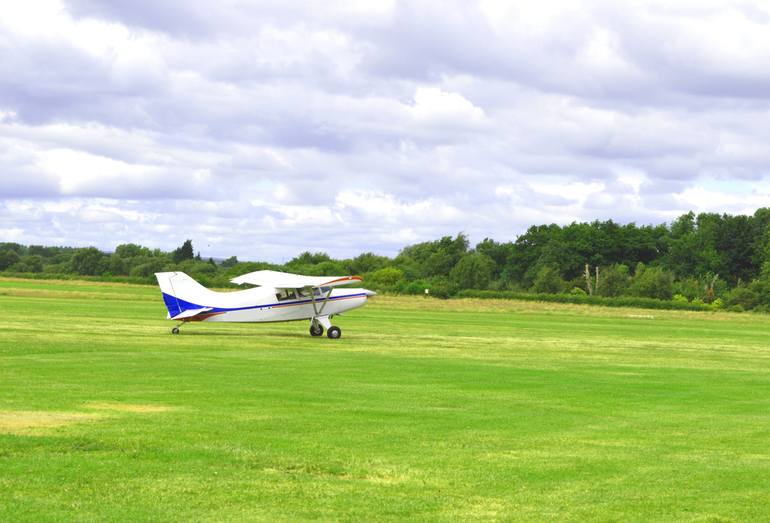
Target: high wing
x=286 y=280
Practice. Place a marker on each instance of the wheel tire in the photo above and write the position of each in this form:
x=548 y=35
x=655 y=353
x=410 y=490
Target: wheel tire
x=334 y=332
x=316 y=330
x=175 y=330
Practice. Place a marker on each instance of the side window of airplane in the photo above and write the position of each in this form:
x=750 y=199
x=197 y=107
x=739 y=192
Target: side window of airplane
x=285 y=294
x=303 y=293
x=321 y=292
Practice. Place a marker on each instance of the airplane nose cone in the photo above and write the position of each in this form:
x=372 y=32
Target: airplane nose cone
x=369 y=293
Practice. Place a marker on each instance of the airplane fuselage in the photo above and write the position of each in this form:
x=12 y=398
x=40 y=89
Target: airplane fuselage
x=262 y=305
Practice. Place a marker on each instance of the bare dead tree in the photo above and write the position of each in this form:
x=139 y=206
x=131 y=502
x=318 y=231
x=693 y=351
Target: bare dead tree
x=592 y=286
x=589 y=285
x=709 y=288
x=596 y=283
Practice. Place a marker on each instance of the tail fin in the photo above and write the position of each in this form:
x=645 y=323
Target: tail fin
x=180 y=292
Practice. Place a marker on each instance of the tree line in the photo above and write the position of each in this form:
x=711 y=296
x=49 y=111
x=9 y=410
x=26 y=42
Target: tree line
x=709 y=258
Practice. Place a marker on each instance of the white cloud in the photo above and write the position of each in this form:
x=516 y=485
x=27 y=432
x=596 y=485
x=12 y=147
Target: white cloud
x=437 y=107
x=265 y=129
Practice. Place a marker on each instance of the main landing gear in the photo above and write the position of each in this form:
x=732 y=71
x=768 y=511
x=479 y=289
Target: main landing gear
x=175 y=330
x=317 y=328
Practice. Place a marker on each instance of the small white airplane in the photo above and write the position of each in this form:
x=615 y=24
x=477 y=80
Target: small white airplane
x=279 y=296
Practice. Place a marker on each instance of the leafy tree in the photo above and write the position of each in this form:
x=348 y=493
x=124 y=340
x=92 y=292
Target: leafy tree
x=497 y=252
x=614 y=280
x=230 y=262
x=408 y=266
x=185 y=252
x=309 y=258
x=735 y=246
x=43 y=251
x=328 y=268
x=473 y=271
x=29 y=263
x=8 y=257
x=385 y=278
x=548 y=281
x=197 y=268
x=149 y=267
x=436 y=258
x=131 y=250
x=652 y=282
x=11 y=246
x=89 y=261
x=117 y=265
x=367 y=262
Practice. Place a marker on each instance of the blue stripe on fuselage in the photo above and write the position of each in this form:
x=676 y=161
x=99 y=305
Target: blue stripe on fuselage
x=172 y=301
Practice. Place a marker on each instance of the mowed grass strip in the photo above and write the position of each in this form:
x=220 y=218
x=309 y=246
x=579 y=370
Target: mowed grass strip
x=424 y=410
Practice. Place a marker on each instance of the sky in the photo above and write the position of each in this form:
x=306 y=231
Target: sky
x=264 y=129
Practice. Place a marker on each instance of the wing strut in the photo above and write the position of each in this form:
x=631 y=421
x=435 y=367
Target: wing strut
x=315 y=304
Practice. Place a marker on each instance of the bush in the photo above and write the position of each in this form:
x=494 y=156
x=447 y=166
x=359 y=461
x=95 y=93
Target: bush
x=742 y=297
x=440 y=288
x=415 y=287
x=622 y=301
x=690 y=288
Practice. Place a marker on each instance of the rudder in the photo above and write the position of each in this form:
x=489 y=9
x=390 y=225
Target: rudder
x=180 y=292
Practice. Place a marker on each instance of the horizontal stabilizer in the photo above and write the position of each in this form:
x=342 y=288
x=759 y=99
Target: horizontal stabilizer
x=190 y=313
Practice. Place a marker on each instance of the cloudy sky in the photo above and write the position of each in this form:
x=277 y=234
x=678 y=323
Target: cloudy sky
x=262 y=129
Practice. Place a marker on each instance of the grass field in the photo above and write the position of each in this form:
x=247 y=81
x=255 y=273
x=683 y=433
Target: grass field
x=424 y=410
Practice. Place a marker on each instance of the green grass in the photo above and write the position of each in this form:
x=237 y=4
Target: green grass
x=424 y=410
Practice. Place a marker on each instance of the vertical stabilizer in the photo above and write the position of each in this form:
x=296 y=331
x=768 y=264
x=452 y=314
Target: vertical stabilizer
x=180 y=292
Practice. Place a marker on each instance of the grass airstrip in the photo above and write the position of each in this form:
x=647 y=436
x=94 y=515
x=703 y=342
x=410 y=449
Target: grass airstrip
x=426 y=410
